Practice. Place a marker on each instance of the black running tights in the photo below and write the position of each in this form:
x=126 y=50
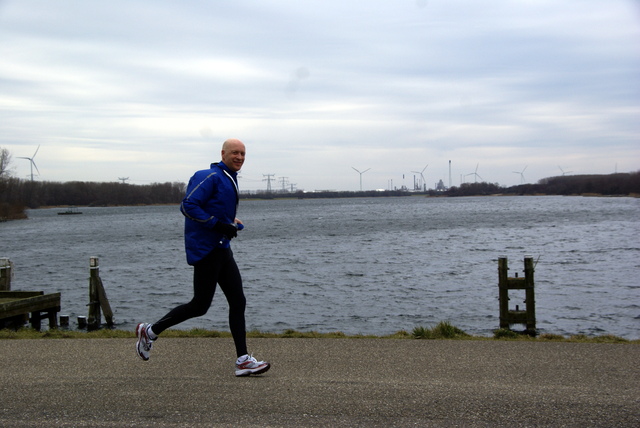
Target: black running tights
x=219 y=267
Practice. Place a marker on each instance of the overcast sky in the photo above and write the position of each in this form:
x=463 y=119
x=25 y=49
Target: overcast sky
x=150 y=89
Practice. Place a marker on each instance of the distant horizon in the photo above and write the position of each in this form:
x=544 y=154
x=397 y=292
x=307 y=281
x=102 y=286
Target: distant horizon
x=570 y=180
x=277 y=190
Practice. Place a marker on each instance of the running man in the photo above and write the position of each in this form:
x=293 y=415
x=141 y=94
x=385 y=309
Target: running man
x=209 y=208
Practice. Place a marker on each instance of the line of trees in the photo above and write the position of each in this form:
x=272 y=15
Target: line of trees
x=610 y=184
x=619 y=184
x=35 y=194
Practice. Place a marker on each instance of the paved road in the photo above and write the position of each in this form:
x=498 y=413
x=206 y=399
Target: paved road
x=319 y=382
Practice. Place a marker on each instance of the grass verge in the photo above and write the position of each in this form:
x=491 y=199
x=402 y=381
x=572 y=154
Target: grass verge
x=443 y=330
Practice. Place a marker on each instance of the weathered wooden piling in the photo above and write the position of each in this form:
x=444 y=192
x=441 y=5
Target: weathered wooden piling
x=98 y=302
x=5 y=274
x=509 y=316
x=82 y=322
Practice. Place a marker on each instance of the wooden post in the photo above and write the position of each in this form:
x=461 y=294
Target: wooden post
x=95 y=316
x=503 y=289
x=530 y=300
x=98 y=302
x=36 y=321
x=104 y=304
x=506 y=283
x=53 y=319
x=82 y=322
x=5 y=274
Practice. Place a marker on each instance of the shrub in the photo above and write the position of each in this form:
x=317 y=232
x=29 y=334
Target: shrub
x=444 y=330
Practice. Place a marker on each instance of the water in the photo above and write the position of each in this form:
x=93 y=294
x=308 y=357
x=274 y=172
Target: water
x=360 y=266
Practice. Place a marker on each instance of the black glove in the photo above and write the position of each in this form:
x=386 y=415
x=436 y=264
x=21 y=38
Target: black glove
x=226 y=229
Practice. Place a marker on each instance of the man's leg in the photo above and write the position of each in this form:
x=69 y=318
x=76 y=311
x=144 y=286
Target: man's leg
x=205 y=276
x=231 y=285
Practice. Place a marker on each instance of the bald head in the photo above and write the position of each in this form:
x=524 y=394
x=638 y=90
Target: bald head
x=231 y=142
x=233 y=153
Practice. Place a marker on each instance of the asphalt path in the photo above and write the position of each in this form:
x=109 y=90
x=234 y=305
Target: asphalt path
x=319 y=382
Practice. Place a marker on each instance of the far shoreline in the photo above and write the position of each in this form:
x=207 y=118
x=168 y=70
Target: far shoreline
x=282 y=197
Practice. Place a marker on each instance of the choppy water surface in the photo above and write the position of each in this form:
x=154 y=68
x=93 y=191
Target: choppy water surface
x=370 y=265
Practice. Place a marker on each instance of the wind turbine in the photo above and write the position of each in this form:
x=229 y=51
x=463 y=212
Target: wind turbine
x=564 y=172
x=522 y=180
x=32 y=162
x=475 y=173
x=424 y=183
x=361 y=175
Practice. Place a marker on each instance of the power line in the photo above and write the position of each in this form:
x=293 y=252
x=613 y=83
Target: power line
x=283 y=181
x=268 y=180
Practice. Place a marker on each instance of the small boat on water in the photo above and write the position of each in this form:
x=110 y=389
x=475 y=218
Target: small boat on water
x=70 y=211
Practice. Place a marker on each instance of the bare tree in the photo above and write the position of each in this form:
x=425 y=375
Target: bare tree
x=5 y=161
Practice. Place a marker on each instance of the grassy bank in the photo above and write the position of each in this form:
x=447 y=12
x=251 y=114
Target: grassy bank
x=442 y=330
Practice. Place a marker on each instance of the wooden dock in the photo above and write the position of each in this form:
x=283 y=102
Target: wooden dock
x=16 y=306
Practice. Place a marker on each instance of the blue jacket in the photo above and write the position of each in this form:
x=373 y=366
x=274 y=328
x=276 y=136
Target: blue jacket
x=212 y=196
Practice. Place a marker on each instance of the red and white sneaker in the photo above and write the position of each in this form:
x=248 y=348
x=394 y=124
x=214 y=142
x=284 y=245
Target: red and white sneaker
x=144 y=342
x=247 y=365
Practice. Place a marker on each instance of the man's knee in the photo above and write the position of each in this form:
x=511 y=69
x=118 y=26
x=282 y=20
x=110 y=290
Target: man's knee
x=198 y=309
x=238 y=303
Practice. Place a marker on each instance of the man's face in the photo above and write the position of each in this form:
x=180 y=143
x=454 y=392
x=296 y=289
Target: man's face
x=233 y=156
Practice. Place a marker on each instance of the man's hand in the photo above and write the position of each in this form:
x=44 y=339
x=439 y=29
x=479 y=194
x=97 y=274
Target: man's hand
x=238 y=223
x=228 y=230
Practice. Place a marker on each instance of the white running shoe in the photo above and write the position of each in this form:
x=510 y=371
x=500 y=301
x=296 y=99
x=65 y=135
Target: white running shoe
x=247 y=365
x=144 y=343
